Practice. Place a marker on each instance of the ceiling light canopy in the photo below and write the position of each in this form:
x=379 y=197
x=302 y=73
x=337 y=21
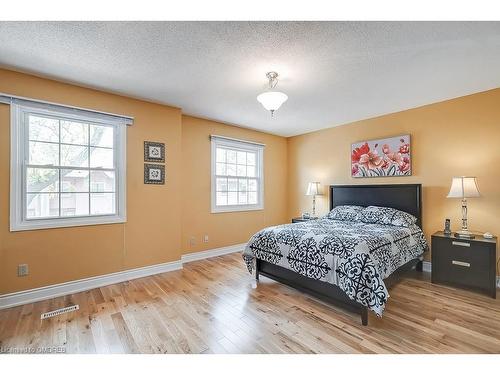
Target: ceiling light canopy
x=272 y=99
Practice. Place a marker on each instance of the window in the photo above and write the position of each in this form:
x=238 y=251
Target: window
x=66 y=169
x=237 y=175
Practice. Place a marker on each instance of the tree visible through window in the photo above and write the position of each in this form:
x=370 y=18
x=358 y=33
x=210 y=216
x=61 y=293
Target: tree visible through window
x=69 y=167
x=68 y=161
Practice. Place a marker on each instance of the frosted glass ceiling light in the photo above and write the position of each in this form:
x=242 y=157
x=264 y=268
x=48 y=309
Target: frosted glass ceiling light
x=272 y=99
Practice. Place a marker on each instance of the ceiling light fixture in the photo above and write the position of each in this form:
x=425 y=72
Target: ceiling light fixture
x=272 y=99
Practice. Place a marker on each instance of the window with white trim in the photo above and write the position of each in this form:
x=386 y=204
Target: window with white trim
x=237 y=175
x=66 y=169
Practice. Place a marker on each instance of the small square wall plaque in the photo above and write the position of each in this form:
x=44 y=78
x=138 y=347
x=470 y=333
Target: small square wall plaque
x=154 y=152
x=154 y=174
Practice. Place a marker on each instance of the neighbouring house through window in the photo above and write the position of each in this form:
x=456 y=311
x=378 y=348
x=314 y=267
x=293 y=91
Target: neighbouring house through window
x=67 y=169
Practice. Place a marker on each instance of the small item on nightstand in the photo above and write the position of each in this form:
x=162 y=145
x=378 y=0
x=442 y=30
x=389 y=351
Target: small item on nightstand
x=487 y=235
x=447 y=230
x=306 y=215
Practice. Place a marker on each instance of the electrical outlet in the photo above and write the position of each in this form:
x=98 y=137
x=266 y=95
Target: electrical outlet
x=498 y=281
x=192 y=241
x=205 y=238
x=22 y=270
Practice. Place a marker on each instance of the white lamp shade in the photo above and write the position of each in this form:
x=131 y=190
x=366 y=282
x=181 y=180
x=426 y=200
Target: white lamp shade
x=313 y=188
x=463 y=187
x=272 y=100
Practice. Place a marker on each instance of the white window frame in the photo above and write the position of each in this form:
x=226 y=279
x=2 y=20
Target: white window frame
x=18 y=162
x=241 y=145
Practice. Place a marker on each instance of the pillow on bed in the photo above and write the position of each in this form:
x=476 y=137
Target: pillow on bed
x=386 y=216
x=345 y=213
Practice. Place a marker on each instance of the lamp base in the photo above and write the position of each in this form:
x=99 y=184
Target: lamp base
x=464 y=234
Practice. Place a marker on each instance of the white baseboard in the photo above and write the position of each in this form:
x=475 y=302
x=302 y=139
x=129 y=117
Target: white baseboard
x=191 y=257
x=426 y=266
x=70 y=287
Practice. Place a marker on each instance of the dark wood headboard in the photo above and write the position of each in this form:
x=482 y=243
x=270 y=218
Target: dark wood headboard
x=404 y=197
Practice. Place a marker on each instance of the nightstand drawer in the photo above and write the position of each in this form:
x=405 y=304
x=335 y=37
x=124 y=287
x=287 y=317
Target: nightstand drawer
x=461 y=262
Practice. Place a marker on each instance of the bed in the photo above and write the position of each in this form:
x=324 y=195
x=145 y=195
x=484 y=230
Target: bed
x=347 y=263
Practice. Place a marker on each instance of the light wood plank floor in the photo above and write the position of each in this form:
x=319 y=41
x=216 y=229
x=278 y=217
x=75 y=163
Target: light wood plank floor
x=215 y=306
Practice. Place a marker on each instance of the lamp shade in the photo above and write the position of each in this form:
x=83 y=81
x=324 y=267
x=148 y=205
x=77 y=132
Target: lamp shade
x=272 y=100
x=313 y=188
x=463 y=187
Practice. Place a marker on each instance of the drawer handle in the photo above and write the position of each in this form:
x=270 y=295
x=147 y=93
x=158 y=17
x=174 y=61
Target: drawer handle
x=457 y=243
x=459 y=263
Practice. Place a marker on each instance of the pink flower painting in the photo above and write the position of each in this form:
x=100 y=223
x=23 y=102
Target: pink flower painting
x=381 y=157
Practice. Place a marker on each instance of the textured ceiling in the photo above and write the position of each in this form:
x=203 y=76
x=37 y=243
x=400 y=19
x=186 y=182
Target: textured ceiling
x=332 y=72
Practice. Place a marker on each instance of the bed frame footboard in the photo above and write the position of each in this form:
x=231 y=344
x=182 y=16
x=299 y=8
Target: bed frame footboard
x=326 y=292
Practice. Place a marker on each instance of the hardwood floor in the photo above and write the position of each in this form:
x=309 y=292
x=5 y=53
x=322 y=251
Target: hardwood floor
x=215 y=306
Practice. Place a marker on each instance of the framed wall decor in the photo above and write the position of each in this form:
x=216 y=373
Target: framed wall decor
x=154 y=152
x=154 y=174
x=387 y=157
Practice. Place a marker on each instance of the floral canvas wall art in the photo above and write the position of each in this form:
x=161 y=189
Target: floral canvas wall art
x=381 y=157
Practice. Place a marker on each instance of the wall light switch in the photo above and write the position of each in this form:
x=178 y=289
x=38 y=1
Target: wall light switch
x=22 y=270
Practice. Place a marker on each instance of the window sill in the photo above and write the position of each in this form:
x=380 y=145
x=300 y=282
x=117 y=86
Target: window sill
x=220 y=210
x=66 y=222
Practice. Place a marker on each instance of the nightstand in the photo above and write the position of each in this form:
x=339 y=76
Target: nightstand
x=301 y=219
x=468 y=263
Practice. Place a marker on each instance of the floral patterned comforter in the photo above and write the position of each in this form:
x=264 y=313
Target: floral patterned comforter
x=352 y=255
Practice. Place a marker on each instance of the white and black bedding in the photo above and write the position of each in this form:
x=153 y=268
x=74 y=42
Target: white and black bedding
x=353 y=255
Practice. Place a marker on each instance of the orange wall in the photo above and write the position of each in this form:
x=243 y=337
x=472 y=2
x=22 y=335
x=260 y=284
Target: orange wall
x=155 y=213
x=452 y=138
x=455 y=137
x=152 y=232
x=229 y=227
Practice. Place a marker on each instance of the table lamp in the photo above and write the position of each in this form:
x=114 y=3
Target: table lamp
x=464 y=187
x=313 y=189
